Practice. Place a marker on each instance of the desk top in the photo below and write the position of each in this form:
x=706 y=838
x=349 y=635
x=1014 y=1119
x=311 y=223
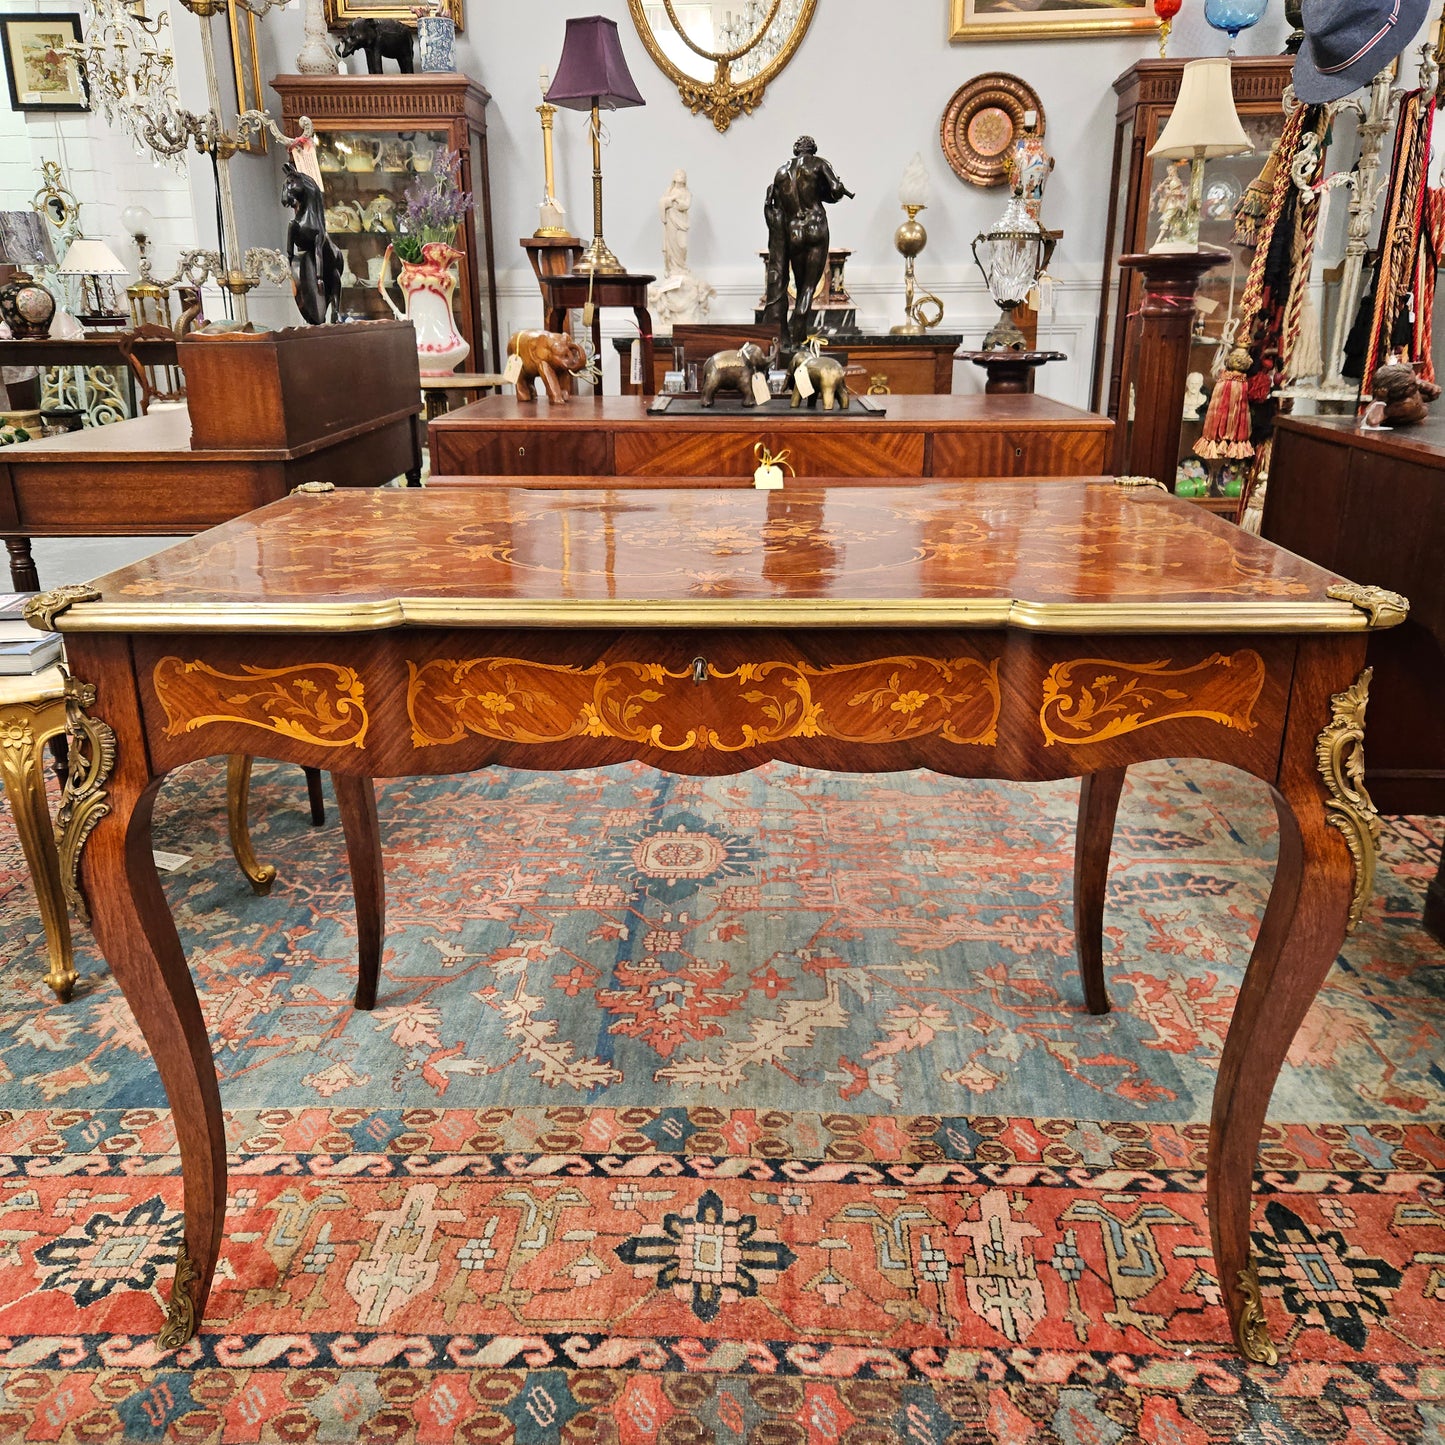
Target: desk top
x=159 y=434
x=904 y=413
x=1084 y=556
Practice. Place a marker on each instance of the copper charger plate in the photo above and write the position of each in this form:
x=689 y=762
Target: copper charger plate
x=981 y=124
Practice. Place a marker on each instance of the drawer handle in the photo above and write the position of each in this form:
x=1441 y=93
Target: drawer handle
x=878 y=384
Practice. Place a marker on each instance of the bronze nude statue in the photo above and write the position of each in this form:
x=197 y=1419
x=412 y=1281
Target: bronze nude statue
x=798 y=238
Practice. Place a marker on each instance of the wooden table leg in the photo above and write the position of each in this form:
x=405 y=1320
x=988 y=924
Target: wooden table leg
x=1434 y=916
x=133 y=926
x=1098 y=806
x=649 y=373
x=315 y=797
x=1318 y=891
x=356 y=801
x=23 y=576
x=24 y=728
x=238 y=824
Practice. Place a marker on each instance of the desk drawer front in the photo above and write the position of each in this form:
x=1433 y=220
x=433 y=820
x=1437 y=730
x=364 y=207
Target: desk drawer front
x=842 y=451
x=1062 y=453
x=517 y=453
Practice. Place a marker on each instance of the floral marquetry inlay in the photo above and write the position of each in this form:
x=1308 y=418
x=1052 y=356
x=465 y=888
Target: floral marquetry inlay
x=317 y=702
x=890 y=700
x=1092 y=699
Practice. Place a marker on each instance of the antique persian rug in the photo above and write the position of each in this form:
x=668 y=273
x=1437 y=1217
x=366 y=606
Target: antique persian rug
x=758 y=1109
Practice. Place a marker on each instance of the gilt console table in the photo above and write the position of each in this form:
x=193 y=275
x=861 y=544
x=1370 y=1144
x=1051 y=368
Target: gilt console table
x=916 y=436
x=1020 y=630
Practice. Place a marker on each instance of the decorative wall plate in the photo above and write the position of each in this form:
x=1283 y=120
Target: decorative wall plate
x=981 y=124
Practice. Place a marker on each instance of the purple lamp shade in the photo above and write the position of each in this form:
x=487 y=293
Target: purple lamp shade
x=592 y=70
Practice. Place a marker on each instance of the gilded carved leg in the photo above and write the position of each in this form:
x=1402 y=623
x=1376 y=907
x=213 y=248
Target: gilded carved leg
x=238 y=824
x=24 y=729
x=356 y=800
x=1326 y=867
x=109 y=816
x=1098 y=806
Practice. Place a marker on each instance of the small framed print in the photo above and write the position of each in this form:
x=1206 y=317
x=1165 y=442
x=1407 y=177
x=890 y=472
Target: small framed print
x=1047 y=19
x=42 y=75
x=340 y=13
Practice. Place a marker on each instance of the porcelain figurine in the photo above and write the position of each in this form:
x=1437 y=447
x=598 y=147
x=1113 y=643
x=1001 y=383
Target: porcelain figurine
x=1170 y=202
x=679 y=297
x=1194 y=397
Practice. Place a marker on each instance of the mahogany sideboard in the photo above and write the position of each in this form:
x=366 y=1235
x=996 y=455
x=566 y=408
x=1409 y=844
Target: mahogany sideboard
x=1372 y=504
x=976 y=437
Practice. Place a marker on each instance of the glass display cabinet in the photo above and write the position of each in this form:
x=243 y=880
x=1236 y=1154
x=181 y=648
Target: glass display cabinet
x=1147 y=91
x=375 y=134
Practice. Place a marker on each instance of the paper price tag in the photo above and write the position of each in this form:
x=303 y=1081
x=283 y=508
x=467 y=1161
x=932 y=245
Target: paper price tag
x=768 y=479
x=588 y=312
x=803 y=382
x=637 y=363
x=514 y=369
x=761 y=394
x=170 y=861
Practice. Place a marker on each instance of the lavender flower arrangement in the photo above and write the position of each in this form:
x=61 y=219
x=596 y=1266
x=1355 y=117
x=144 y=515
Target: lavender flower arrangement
x=433 y=206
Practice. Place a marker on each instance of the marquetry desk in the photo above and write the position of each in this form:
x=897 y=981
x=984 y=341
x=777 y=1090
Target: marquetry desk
x=917 y=436
x=1020 y=630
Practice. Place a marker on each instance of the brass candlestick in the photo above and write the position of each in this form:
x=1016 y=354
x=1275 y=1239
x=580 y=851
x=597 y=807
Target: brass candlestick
x=550 y=206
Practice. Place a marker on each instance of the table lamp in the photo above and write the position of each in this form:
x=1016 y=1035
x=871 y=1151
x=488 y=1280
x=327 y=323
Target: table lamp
x=26 y=306
x=925 y=311
x=1203 y=125
x=89 y=258
x=592 y=75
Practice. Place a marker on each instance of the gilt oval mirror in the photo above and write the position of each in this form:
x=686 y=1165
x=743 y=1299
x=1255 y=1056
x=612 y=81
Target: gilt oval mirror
x=722 y=54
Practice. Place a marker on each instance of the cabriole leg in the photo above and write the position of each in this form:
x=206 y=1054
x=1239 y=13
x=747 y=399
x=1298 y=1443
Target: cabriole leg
x=1098 y=805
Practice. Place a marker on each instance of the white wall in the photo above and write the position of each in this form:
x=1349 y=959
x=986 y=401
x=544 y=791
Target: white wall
x=870 y=81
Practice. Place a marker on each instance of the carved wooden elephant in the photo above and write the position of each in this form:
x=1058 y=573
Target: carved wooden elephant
x=544 y=355
x=826 y=374
x=734 y=371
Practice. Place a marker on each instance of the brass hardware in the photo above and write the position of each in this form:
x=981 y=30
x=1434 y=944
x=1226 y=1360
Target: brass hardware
x=1140 y=482
x=1385 y=608
x=1278 y=615
x=1341 y=753
x=878 y=384
x=313 y=489
x=1253 y=1337
x=238 y=801
x=83 y=800
x=1018 y=451
x=521 y=451
x=180 y=1322
x=42 y=609
x=699 y=671
x=722 y=98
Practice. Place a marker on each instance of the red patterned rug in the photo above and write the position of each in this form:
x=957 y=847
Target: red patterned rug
x=623 y=1153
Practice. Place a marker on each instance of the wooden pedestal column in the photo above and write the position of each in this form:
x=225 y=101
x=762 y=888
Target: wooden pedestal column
x=1156 y=361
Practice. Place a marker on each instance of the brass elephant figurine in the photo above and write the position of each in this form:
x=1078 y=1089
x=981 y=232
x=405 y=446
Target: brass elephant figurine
x=545 y=355
x=826 y=374
x=734 y=371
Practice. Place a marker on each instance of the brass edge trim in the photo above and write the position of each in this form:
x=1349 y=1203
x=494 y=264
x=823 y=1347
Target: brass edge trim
x=42 y=609
x=1383 y=607
x=1340 y=750
x=1253 y=1334
x=990 y=612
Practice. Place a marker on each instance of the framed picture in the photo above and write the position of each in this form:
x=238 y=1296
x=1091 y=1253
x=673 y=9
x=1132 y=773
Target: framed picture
x=246 y=65
x=340 y=13
x=40 y=73
x=1047 y=19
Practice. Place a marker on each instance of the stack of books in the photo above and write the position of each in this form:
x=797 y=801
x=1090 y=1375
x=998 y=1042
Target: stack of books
x=22 y=648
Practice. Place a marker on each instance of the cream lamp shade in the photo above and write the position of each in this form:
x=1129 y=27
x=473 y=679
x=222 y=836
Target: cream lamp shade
x=91 y=258
x=1204 y=123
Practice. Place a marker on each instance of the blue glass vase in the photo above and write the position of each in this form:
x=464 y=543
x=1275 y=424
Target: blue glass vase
x=1233 y=16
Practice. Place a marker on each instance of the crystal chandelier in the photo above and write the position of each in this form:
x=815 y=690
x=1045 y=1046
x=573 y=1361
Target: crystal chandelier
x=129 y=66
x=737 y=30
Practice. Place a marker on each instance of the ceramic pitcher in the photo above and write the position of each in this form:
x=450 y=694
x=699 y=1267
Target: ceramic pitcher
x=428 y=286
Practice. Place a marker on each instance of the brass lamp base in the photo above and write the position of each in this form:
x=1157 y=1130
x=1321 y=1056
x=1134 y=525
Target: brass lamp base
x=1005 y=335
x=598 y=260
x=906 y=328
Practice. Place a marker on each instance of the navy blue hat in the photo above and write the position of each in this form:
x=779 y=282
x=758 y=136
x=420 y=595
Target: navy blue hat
x=1349 y=42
